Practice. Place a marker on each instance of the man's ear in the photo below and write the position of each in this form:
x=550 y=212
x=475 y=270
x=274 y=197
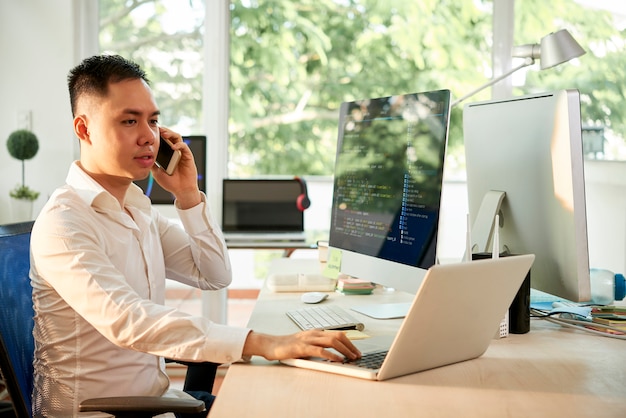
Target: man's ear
x=80 y=128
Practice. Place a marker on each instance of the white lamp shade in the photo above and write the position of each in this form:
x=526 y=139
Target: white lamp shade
x=557 y=48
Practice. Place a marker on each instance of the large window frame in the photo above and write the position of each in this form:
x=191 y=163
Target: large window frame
x=216 y=94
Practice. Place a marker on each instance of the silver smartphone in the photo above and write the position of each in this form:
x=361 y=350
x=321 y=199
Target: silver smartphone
x=167 y=158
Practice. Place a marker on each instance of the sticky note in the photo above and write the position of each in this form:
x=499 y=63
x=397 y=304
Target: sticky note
x=333 y=265
x=354 y=334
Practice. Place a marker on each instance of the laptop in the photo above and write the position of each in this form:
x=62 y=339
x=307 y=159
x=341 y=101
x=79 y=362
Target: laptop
x=262 y=210
x=454 y=317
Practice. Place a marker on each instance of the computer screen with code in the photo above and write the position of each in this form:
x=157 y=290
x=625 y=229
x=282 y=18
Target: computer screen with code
x=388 y=177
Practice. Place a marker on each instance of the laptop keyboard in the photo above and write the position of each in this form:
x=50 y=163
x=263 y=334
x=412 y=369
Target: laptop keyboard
x=324 y=317
x=264 y=236
x=373 y=360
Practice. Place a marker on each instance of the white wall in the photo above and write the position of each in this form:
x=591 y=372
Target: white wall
x=36 y=42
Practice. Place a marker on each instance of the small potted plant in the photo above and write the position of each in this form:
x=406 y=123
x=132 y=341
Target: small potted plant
x=23 y=145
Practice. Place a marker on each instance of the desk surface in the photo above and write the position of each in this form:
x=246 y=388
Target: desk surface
x=551 y=371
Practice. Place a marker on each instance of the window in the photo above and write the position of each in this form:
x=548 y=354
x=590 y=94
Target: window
x=599 y=74
x=293 y=63
x=165 y=38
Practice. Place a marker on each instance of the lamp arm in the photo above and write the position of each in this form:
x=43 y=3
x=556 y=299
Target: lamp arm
x=528 y=61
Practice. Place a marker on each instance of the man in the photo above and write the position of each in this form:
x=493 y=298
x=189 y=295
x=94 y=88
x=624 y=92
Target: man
x=100 y=255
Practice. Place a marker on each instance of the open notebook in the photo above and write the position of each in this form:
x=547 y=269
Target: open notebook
x=453 y=318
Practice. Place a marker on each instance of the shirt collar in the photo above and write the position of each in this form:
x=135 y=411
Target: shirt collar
x=93 y=194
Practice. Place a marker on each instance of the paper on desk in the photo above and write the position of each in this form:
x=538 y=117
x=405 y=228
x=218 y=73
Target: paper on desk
x=333 y=266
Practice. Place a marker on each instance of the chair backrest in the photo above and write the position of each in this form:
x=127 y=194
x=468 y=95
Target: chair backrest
x=16 y=315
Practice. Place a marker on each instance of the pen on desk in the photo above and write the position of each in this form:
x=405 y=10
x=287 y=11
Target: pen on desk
x=495 y=251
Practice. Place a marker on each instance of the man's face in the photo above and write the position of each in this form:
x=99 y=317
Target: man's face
x=123 y=131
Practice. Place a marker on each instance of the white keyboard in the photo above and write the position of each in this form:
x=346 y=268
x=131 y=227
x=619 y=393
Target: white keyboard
x=324 y=317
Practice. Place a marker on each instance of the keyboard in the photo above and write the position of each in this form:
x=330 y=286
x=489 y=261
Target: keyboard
x=373 y=360
x=324 y=317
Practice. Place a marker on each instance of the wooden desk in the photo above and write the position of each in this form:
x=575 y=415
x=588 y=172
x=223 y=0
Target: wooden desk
x=549 y=372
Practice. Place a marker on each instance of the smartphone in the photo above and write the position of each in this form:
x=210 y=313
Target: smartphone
x=167 y=158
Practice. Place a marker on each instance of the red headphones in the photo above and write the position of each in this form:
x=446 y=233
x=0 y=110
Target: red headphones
x=302 y=201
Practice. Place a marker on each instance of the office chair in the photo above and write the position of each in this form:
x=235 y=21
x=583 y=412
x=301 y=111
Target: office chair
x=17 y=343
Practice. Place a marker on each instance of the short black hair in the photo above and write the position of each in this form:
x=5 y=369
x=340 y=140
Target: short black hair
x=93 y=75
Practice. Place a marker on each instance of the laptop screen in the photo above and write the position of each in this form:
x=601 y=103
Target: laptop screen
x=261 y=205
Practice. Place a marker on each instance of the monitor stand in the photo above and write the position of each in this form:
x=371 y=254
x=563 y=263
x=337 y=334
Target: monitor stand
x=384 y=310
x=482 y=230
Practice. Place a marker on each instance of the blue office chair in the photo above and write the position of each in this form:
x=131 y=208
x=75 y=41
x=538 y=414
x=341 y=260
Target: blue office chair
x=17 y=344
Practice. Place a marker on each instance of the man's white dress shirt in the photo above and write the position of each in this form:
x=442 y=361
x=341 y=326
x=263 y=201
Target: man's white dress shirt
x=98 y=277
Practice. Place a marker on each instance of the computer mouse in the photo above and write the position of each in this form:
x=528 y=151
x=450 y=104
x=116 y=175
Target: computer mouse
x=313 y=297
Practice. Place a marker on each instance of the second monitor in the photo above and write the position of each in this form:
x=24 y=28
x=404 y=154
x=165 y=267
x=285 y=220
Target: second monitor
x=387 y=187
x=528 y=150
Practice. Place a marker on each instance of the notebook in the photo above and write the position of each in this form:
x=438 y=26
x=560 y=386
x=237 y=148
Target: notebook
x=453 y=317
x=262 y=210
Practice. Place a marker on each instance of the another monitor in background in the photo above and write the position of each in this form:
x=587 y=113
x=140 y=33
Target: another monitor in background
x=197 y=145
x=387 y=188
x=531 y=149
x=262 y=209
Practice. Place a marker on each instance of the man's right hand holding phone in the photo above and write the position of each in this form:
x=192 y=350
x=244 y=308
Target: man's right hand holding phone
x=183 y=181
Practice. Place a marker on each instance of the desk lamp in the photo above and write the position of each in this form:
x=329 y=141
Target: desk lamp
x=555 y=48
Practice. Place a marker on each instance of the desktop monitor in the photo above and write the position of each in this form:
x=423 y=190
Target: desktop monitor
x=197 y=145
x=531 y=149
x=387 y=187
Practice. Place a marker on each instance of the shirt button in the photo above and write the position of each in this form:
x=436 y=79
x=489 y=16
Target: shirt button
x=229 y=358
